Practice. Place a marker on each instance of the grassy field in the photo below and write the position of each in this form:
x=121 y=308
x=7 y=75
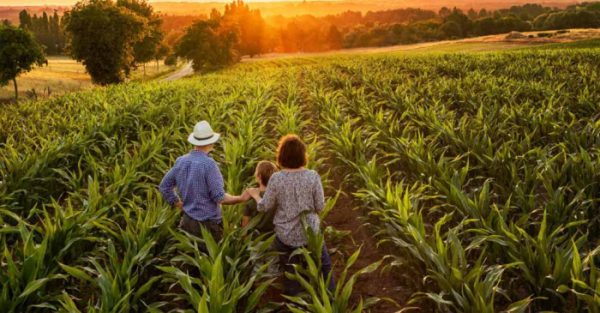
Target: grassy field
x=64 y=75
x=475 y=175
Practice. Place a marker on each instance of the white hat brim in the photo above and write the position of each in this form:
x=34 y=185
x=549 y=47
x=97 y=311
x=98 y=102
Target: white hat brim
x=196 y=142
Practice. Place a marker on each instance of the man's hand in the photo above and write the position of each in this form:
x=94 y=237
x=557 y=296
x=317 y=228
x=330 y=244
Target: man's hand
x=179 y=204
x=245 y=196
x=254 y=193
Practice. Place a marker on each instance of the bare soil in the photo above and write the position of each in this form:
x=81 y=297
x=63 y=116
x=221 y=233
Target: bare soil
x=348 y=216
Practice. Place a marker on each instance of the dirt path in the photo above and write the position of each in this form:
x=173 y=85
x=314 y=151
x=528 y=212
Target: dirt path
x=186 y=70
x=346 y=217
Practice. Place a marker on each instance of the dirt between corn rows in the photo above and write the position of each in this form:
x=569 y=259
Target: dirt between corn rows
x=345 y=217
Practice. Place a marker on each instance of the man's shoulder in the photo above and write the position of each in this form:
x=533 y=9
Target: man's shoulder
x=203 y=159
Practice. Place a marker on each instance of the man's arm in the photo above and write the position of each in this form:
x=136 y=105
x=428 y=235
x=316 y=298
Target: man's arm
x=230 y=200
x=216 y=188
x=214 y=181
x=167 y=187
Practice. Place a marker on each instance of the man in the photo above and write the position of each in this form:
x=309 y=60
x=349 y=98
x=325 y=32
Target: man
x=200 y=184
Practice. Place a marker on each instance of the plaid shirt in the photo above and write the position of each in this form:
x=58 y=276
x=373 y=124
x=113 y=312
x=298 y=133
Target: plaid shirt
x=200 y=185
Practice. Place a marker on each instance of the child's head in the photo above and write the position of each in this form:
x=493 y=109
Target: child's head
x=263 y=172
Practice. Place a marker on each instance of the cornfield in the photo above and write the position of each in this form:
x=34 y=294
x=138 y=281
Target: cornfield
x=479 y=173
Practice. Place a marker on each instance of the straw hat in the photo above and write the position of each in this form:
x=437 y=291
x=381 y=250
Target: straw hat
x=203 y=135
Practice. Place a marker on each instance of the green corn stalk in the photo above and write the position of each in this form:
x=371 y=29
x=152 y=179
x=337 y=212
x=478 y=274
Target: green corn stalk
x=317 y=297
x=226 y=280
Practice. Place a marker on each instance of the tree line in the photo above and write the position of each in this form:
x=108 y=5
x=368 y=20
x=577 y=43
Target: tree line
x=407 y=26
x=350 y=29
x=47 y=30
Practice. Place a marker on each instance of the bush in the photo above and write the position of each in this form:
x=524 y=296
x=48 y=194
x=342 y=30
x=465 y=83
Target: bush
x=171 y=60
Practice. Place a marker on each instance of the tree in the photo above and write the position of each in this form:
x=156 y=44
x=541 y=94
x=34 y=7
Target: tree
x=208 y=45
x=146 y=49
x=459 y=18
x=335 y=39
x=472 y=14
x=249 y=26
x=46 y=30
x=171 y=60
x=444 y=12
x=18 y=54
x=162 y=52
x=451 y=29
x=102 y=36
x=24 y=19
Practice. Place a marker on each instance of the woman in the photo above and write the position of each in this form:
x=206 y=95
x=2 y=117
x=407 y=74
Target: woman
x=295 y=193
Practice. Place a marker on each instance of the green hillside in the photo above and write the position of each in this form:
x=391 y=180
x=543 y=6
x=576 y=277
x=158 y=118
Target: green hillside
x=477 y=173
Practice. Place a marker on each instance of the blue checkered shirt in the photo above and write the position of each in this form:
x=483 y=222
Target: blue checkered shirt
x=200 y=184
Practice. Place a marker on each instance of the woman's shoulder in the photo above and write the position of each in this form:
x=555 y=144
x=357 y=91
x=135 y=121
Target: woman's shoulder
x=313 y=173
x=277 y=176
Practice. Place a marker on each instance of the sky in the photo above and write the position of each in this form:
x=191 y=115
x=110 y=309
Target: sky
x=71 y=2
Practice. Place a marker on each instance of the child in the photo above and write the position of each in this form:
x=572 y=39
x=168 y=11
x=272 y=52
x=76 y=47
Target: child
x=262 y=174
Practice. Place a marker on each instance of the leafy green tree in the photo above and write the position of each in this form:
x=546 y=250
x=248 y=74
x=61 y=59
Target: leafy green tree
x=444 y=12
x=171 y=60
x=451 y=29
x=25 y=19
x=208 y=45
x=457 y=17
x=45 y=29
x=162 y=52
x=146 y=49
x=18 y=54
x=472 y=14
x=102 y=36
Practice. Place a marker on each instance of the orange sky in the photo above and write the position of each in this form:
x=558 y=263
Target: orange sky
x=70 y=2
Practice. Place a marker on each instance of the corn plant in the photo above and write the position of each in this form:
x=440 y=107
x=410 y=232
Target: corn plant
x=224 y=279
x=25 y=276
x=317 y=296
x=585 y=282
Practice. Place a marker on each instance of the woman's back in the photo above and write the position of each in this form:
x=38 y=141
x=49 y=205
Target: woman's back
x=294 y=194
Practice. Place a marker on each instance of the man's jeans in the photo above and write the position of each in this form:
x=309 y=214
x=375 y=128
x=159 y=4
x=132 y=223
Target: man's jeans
x=192 y=226
x=286 y=261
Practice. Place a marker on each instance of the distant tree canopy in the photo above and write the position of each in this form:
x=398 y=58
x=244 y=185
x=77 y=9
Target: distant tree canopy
x=19 y=52
x=104 y=36
x=404 y=26
x=248 y=24
x=586 y=15
x=223 y=38
x=208 y=45
x=146 y=49
x=47 y=30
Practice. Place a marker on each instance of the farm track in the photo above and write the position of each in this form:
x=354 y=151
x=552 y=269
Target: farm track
x=348 y=216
